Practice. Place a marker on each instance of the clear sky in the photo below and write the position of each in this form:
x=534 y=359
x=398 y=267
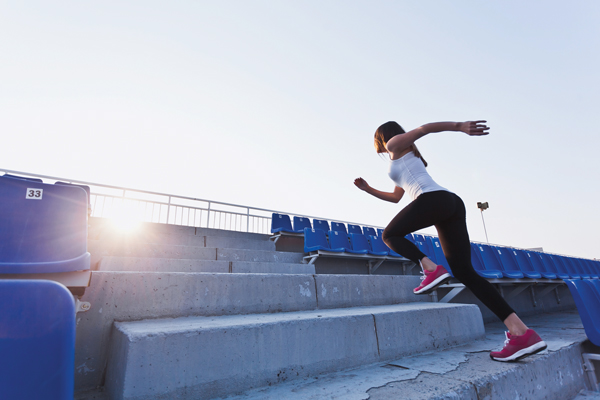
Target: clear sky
x=273 y=104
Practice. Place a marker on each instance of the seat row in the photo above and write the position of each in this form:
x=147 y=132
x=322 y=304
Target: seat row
x=495 y=262
x=282 y=224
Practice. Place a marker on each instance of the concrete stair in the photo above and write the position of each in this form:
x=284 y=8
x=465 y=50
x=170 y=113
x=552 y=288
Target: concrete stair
x=190 y=313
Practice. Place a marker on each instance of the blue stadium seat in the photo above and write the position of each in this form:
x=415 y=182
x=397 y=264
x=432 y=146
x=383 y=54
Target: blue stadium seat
x=524 y=264
x=281 y=223
x=360 y=242
x=439 y=254
x=586 y=299
x=580 y=265
x=410 y=238
x=321 y=224
x=492 y=258
x=425 y=244
x=338 y=227
x=563 y=263
x=87 y=191
x=593 y=268
x=478 y=257
x=300 y=223
x=44 y=227
x=378 y=246
x=354 y=229
x=23 y=178
x=551 y=266
x=37 y=340
x=369 y=231
x=510 y=265
x=538 y=265
x=315 y=239
x=340 y=240
x=379 y=232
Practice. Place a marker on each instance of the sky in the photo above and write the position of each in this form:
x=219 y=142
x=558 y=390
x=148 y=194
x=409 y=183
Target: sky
x=273 y=104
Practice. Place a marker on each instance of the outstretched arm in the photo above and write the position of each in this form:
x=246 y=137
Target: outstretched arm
x=402 y=142
x=393 y=197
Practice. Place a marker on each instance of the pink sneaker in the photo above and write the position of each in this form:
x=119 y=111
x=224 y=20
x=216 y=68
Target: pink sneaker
x=518 y=347
x=431 y=280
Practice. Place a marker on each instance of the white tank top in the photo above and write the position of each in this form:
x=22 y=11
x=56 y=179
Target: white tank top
x=409 y=173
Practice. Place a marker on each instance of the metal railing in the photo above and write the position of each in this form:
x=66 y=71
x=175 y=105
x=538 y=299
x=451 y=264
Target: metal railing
x=116 y=202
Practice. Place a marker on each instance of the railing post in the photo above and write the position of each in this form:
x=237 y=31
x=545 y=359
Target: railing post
x=248 y=220
x=168 y=209
x=208 y=217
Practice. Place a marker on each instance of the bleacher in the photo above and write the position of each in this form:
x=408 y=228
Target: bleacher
x=193 y=312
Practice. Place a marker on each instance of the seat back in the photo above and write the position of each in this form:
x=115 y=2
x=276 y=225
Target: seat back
x=425 y=244
x=321 y=224
x=43 y=227
x=359 y=242
x=369 y=231
x=354 y=229
x=339 y=240
x=300 y=223
x=489 y=256
x=580 y=266
x=507 y=259
x=476 y=259
x=439 y=254
x=314 y=238
x=37 y=340
x=538 y=265
x=339 y=227
x=281 y=222
x=377 y=244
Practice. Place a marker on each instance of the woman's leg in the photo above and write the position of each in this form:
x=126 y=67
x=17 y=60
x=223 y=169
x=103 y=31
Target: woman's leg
x=456 y=245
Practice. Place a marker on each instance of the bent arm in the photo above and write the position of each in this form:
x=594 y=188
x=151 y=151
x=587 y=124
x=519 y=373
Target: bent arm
x=402 y=142
x=393 y=197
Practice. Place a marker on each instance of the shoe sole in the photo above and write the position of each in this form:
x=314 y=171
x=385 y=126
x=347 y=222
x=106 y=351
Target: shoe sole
x=521 y=354
x=433 y=285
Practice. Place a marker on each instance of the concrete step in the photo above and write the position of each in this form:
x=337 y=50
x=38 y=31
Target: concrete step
x=131 y=296
x=461 y=372
x=112 y=263
x=205 y=357
x=100 y=248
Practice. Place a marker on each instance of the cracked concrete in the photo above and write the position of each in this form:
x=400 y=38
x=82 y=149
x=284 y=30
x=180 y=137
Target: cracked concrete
x=464 y=372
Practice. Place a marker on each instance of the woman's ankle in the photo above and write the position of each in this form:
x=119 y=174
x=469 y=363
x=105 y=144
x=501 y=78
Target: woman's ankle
x=427 y=264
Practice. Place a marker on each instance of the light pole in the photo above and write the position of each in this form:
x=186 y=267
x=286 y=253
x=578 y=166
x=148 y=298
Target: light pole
x=484 y=206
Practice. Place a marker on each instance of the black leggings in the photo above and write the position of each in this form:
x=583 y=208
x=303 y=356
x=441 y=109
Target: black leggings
x=447 y=212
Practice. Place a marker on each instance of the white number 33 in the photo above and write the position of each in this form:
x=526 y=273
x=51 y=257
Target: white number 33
x=34 y=194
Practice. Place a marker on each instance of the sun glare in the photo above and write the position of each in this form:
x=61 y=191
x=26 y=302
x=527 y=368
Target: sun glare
x=125 y=219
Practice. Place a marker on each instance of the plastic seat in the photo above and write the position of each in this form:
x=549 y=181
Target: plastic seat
x=37 y=331
x=321 y=224
x=551 y=266
x=340 y=240
x=369 y=231
x=281 y=223
x=586 y=299
x=509 y=263
x=439 y=254
x=538 y=265
x=477 y=259
x=593 y=268
x=315 y=239
x=379 y=246
x=582 y=267
x=524 y=264
x=410 y=238
x=379 y=232
x=564 y=264
x=425 y=244
x=44 y=227
x=300 y=223
x=360 y=242
x=338 y=227
x=354 y=229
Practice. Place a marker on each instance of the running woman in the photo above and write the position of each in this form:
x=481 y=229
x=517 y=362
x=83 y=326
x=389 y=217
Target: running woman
x=434 y=205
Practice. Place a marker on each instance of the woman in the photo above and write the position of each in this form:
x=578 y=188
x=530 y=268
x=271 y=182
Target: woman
x=435 y=205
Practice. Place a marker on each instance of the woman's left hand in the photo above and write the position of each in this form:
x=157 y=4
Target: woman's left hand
x=474 y=128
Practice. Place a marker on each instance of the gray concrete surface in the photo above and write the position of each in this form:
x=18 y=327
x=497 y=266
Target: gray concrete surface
x=148 y=264
x=131 y=296
x=163 y=359
x=461 y=372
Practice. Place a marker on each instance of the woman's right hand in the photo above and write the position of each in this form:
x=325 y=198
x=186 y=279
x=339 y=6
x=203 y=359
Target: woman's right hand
x=361 y=183
x=474 y=128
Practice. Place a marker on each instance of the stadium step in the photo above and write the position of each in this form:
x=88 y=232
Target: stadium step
x=205 y=357
x=132 y=296
x=112 y=263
